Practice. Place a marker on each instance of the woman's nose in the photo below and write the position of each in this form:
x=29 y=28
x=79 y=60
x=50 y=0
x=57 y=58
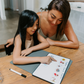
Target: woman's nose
x=55 y=21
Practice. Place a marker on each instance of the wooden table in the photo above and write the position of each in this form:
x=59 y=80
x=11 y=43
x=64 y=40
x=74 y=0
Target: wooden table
x=75 y=74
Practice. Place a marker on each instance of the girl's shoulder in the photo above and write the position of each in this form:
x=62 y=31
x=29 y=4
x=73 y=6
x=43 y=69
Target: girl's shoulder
x=18 y=39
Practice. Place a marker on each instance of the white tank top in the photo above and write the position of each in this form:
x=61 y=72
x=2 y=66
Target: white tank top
x=29 y=43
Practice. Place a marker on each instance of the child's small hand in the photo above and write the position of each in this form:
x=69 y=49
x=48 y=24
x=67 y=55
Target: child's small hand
x=47 y=60
x=26 y=52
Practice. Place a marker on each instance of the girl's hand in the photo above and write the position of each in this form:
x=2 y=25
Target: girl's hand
x=26 y=52
x=47 y=60
x=9 y=42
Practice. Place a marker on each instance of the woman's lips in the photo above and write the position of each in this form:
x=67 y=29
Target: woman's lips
x=52 y=24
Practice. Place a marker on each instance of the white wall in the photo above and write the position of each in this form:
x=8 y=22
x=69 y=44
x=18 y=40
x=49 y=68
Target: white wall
x=25 y=4
x=21 y=5
x=14 y=4
x=40 y=3
x=74 y=6
x=44 y=3
x=7 y=3
x=29 y=4
x=2 y=10
x=11 y=4
x=36 y=5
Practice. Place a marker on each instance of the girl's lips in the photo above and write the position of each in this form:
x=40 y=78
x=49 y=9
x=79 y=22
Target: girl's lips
x=33 y=31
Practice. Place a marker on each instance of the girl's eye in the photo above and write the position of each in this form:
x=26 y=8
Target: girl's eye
x=37 y=24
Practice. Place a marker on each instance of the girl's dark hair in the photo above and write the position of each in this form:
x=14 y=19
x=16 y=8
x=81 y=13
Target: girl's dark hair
x=64 y=7
x=26 y=19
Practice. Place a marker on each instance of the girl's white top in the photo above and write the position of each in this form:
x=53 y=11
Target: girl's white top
x=29 y=43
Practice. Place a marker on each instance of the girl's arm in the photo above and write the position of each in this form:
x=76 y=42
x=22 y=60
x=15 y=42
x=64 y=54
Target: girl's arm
x=43 y=44
x=18 y=59
x=72 y=41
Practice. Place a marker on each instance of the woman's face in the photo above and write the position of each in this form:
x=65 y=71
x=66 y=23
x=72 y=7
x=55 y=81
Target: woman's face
x=31 y=30
x=54 y=17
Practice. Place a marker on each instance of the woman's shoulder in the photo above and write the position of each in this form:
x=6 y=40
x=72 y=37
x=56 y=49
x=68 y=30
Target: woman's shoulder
x=43 y=13
x=38 y=13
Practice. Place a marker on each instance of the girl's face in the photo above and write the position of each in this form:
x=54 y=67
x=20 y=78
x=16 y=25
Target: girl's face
x=31 y=30
x=54 y=17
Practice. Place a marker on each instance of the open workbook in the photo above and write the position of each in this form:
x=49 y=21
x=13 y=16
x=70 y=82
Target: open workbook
x=55 y=71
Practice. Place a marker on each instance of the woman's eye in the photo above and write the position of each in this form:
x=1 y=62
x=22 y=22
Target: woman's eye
x=60 y=20
x=52 y=17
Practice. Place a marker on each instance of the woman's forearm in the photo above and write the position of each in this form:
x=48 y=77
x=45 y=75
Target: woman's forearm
x=67 y=44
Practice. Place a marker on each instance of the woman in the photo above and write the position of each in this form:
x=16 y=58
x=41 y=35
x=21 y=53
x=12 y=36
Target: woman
x=27 y=38
x=54 y=24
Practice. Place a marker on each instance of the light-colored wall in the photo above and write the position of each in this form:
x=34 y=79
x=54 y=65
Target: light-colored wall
x=34 y=5
x=77 y=19
x=15 y=4
x=12 y=4
x=40 y=3
x=7 y=3
x=21 y=5
x=29 y=4
x=44 y=3
x=2 y=10
x=74 y=6
x=25 y=4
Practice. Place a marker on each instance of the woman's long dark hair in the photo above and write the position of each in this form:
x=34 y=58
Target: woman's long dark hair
x=26 y=19
x=64 y=7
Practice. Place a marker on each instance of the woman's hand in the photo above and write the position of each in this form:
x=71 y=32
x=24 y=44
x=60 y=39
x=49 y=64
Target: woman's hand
x=9 y=42
x=26 y=52
x=47 y=60
x=51 y=42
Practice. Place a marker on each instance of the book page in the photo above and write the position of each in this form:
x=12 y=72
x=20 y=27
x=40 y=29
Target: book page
x=53 y=72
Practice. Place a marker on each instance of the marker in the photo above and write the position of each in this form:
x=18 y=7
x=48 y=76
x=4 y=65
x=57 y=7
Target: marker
x=18 y=73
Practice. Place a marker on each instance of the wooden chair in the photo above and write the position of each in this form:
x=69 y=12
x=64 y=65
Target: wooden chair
x=7 y=50
x=2 y=48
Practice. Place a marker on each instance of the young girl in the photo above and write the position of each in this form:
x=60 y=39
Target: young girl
x=28 y=37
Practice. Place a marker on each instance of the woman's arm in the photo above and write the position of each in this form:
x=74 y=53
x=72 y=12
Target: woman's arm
x=9 y=42
x=18 y=59
x=72 y=41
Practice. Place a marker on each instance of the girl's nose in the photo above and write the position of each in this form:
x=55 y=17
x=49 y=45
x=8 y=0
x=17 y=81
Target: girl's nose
x=35 y=27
